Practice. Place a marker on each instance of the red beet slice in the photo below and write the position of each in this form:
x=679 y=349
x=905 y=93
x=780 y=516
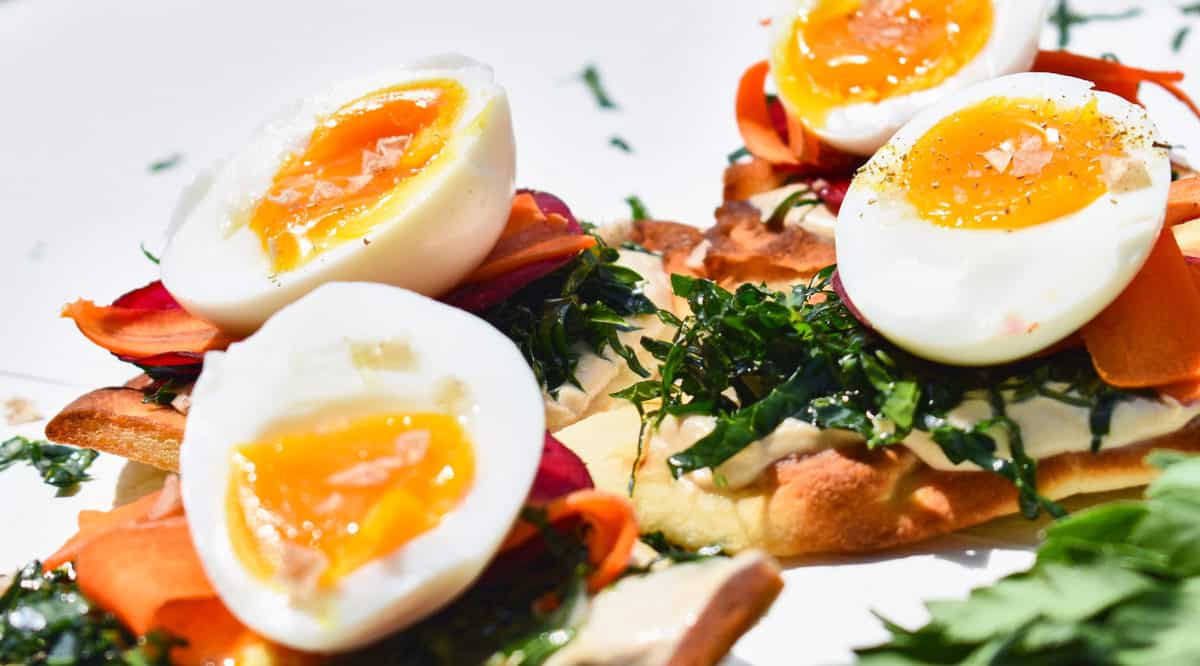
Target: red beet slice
x=153 y=296
x=560 y=472
x=833 y=193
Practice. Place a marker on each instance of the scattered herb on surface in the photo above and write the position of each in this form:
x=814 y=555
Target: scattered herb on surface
x=737 y=154
x=503 y=619
x=1117 y=584
x=581 y=306
x=63 y=467
x=165 y=163
x=755 y=357
x=591 y=77
x=637 y=208
x=1193 y=8
x=1110 y=56
x=46 y=621
x=620 y=144
x=1064 y=19
x=162 y=393
x=148 y=254
x=1180 y=37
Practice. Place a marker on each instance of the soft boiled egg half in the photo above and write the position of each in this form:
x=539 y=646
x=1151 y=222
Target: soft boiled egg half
x=1001 y=220
x=403 y=178
x=353 y=465
x=853 y=71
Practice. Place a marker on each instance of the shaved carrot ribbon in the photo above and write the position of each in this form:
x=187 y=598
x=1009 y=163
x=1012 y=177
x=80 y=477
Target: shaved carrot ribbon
x=529 y=237
x=1111 y=76
x=754 y=119
x=611 y=531
x=1150 y=335
x=138 y=333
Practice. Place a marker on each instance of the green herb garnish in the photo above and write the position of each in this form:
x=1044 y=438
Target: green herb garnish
x=738 y=154
x=1193 y=8
x=161 y=394
x=46 y=621
x=620 y=144
x=579 y=307
x=637 y=208
x=1113 y=585
x=500 y=619
x=149 y=255
x=591 y=77
x=669 y=551
x=63 y=467
x=1064 y=18
x=1179 y=38
x=165 y=163
x=801 y=197
x=755 y=357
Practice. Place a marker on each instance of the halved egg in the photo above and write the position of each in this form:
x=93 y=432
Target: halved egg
x=353 y=466
x=1002 y=219
x=403 y=178
x=854 y=71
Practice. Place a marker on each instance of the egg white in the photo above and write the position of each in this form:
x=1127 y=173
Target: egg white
x=298 y=366
x=863 y=127
x=448 y=219
x=951 y=295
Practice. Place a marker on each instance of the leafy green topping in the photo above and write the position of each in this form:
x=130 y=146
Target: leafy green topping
x=620 y=144
x=591 y=77
x=63 y=467
x=755 y=357
x=1116 y=584
x=581 y=306
x=149 y=255
x=165 y=163
x=46 y=620
x=1064 y=18
x=637 y=209
x=505 y=619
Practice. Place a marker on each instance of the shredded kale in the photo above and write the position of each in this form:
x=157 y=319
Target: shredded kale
x=165 y=163
x=1115 y=585
x=63 y=467
x=620 y=144
x=46 y=621
x=591 y=77
x=1064 y=19
x=755 y=357
x=637 y=209
x=515 y=620
x=579 y=307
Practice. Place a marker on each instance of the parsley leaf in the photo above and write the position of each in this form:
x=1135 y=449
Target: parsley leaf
x=46 y=621
x=1116 y=584
x=620 y=144
x=63 y=467
x=755 y=357
x=579 y=307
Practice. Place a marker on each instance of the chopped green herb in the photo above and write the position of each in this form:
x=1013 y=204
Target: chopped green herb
x=149 y=255
x=1110 y=56
x=1193 y=8
x=46 y=621
x=499 y=620
x=1114 y=585
x=637 y=247
x=591 y=77
x=620 y=144
x=581 y=306
x=1180 y=37
x=637 y=209
x=669 y=551
x=160 y=393
x=1064 y=19
x=63 y=467
x=755 y=357
x=801 y=197
x=738 y=154
x=168 y=162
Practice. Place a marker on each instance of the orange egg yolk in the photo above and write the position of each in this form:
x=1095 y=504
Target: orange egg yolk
x=353 y=164
x=862 y=51
x=307 y=508
x=1008 y=163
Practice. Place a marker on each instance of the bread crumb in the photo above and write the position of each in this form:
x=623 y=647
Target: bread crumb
x=18 y=411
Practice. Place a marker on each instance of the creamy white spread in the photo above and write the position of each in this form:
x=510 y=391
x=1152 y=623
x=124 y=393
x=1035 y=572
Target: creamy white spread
x=600 y=375
x=1048 y=428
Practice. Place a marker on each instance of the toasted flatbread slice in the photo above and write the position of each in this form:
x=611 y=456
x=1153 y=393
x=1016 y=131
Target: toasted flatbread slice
x=845 y=500
x=116 y=420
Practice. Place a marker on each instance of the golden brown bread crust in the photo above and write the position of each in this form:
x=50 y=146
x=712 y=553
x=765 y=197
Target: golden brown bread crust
x=115 y=420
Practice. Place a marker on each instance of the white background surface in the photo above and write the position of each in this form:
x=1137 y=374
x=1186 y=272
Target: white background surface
x=92 y=92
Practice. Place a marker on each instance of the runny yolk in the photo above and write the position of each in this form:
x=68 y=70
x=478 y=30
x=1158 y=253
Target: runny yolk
x=1008 y=163
x=307 y=508
x=354 y=161
x=861 y=51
